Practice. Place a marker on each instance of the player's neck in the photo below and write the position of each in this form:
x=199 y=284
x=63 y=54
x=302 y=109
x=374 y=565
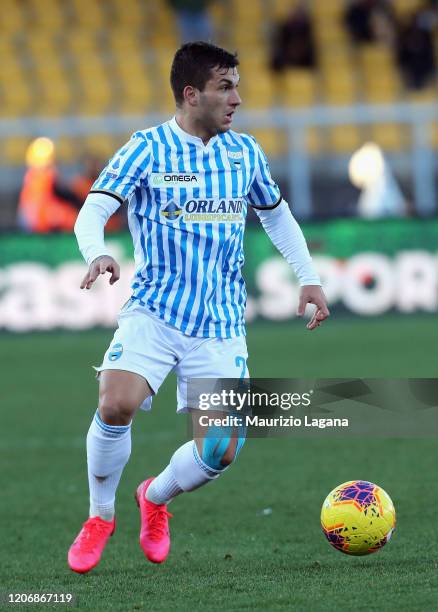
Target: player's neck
x=193 y=127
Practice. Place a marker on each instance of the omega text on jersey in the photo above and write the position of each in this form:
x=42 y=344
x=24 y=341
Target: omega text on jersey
x=186 y=178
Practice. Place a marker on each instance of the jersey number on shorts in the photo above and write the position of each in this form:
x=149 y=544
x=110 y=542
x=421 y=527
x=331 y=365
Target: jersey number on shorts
x=241 y=363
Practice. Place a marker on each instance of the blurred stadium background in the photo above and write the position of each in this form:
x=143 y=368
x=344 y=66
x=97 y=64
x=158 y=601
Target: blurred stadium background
x=351 y=132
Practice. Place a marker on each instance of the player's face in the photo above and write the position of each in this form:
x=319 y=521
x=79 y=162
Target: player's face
x=219 y=100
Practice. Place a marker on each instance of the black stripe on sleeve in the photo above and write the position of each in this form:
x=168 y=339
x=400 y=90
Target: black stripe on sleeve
x=109 y=193
x=270 y=207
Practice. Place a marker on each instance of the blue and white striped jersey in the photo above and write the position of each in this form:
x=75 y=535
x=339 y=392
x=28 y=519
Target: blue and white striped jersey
x=187 y=205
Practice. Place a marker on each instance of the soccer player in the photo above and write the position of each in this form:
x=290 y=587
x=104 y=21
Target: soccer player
x=187 y=184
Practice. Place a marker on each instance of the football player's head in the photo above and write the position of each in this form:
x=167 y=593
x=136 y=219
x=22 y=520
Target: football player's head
x=204 y=80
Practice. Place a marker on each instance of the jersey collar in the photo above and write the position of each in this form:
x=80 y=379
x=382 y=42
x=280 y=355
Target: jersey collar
x=186 y=137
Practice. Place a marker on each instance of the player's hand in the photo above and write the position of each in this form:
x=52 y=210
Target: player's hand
x=102 y=264
x=313 y=294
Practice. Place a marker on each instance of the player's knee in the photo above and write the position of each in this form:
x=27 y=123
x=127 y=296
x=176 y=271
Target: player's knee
x=115 y=410
x=220 y=451
x=232 y=451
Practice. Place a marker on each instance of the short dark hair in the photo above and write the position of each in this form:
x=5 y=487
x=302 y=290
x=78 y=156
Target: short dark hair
x=193 y=63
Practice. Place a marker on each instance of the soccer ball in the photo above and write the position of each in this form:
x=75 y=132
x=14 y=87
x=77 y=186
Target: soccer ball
x=358 y=517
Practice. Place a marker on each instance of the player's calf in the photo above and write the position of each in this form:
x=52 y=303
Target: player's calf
x=196 y=463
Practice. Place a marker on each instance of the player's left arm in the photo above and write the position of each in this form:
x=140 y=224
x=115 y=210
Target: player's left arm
x=286 y=235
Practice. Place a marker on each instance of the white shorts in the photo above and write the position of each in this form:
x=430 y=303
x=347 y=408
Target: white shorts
x=146 y=345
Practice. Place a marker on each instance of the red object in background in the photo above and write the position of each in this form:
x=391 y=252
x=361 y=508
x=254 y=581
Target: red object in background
x=40 y=210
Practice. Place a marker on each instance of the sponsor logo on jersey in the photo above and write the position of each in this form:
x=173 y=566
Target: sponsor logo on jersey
x=174 y=180
x=172 y=211
x=214 y=206
x=197 y=211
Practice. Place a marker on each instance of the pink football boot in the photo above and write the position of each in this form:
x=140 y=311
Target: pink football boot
x=87 y=549
x=154 y=530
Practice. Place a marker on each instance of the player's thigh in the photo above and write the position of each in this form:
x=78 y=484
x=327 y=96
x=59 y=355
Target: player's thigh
x=136 y=363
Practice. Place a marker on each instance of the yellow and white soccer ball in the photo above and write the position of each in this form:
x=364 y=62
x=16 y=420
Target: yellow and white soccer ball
x=358 y=517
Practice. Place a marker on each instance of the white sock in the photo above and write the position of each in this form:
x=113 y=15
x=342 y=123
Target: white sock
x=185 y=472
x=163 y=488
x=108 y=451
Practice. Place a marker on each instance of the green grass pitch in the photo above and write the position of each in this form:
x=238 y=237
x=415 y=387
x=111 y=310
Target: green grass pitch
x=226 y=553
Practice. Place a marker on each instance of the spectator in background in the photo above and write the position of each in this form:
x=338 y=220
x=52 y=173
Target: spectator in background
x=293 y=42
x=46 y=203
x=82 y=183
x=384 y=25
x=193 y=20
x=357 y=18
x=415 y=49
x=370 y=21
x=380 y=195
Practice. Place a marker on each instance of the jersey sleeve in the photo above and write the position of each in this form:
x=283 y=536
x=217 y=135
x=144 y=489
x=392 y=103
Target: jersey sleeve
x=264 y=192
x=125 y=169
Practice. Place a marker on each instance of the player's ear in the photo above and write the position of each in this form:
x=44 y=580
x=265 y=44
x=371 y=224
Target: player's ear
x=191 y=95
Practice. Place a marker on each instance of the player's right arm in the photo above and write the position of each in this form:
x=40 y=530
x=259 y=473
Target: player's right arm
x=104 y=263
x=115 y=184
x=89 y=230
